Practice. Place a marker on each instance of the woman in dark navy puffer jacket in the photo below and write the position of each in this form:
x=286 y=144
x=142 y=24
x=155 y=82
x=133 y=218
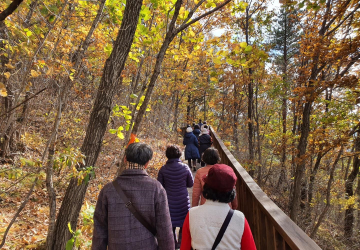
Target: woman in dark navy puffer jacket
x=176 y=177
x=191 y=149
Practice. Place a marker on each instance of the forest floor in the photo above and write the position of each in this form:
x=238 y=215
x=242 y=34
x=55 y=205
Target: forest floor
x=30 y=229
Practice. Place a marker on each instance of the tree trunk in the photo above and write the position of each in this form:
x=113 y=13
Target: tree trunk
x=77 y=58
x=328 y=193
x=284 y=104
x=300 y=167
x=312 y=183
x=205 y=100
x=177 y=100
x=74 y=196
x=49 y=177
x=283 y=146
x=221 y=121
x=250 y=103
x=235 y=119
x=188 y=109
x=349 y=192
x=5 y=138
x=357 y=191
x=319 y=156
x=258 y=148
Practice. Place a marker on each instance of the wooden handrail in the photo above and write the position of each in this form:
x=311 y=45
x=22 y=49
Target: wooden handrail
x=271 y=227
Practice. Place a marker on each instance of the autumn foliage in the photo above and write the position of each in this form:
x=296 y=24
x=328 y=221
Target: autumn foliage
x=278 y=82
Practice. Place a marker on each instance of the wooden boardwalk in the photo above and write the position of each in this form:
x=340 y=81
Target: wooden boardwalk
x=271 y=227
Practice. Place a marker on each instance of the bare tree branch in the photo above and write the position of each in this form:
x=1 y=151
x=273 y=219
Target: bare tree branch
x=26 y=100
x=23 y=204
x=342 y=21
x=185 y=25
x=9 y=10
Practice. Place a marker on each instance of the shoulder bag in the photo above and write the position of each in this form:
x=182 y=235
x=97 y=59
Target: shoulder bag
x=132 y=209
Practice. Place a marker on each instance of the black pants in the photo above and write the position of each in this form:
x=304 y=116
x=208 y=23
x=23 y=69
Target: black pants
x=193 y=163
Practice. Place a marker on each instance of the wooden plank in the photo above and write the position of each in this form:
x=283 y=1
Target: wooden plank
x=256 y=224
x=270 y=235
x=263 y=231
x=286 y=230
x=279 y=241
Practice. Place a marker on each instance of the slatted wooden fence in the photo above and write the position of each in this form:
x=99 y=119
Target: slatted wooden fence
x=271 y=227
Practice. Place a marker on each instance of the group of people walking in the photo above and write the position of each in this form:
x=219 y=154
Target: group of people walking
x=138 y=212
x=196 y=140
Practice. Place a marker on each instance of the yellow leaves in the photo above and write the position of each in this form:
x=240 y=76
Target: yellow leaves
x=133 y=57
x=27 y=88
x=9 y=66
x=34 y=73
x=50 y=71
x=191 y=33
x=183 y=13
x=243 y=45
x=3 y=93
x=7 y=75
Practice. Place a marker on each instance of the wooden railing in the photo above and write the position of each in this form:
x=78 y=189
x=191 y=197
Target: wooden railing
x=271 y=227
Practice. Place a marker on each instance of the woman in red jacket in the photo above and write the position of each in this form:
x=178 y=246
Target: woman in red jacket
x=202 y=224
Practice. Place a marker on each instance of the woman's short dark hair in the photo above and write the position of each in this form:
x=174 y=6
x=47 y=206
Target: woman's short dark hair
x=172 y=152
x=214 y=195
x=196 y=127
x=139 y=153
x=211 y=156
x=205 y=126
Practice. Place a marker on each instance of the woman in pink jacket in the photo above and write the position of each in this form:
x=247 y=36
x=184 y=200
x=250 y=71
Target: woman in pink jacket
x=210 y=157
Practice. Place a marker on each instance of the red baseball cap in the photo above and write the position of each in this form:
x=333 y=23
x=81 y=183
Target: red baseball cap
x=221 y=178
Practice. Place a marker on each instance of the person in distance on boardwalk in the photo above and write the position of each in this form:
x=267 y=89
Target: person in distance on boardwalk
x=115 y=226
x=196 y=131
x=210 y=157
x=202 y=224
x=176 y=177
x=204 y=124
x=191 y=147
x=200 y=123
x=205 y=141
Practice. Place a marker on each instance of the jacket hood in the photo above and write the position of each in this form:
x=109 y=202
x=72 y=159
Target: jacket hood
x=204 y=131
x=188 y=135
